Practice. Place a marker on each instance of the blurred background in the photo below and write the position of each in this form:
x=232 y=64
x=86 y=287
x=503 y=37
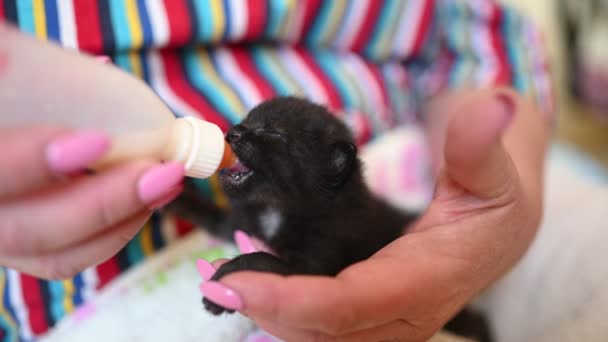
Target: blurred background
x=577 y=36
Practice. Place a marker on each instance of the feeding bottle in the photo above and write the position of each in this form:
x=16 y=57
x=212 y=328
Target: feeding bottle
x=41 y=83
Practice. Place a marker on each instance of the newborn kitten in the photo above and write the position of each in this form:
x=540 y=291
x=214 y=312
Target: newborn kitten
x=299 y=188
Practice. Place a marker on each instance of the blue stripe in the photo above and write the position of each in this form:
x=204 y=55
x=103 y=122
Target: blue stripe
x=7 y=300
x=120 y=24
x=56 y=292
x=157 y=235
x=207 y=87
x=318 y=26
x=265 y=68
x=204 y=20
x=146 y=25
x=277 y=12
x=509 y=25
x=386 y=20
x=25 y=14
x=122 y=61
x=331 y=67
x=78 y=286
x=227 y=19
x=52 y=20
x=145 y=67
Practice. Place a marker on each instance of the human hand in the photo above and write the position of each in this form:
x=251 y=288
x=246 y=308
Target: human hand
x=484 y=215
x=55 y=220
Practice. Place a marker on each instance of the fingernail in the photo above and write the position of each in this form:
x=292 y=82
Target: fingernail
x=171 y=195
x=506 y=106
x=159 y=182
x=205 y=269
x=103 y=59
x=222 y=295
x=244 y=243
x=75 y=152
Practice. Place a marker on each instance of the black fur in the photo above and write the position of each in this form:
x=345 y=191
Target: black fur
x=299 y=161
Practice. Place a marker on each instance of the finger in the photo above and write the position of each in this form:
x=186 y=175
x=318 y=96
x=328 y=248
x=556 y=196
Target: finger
x=33 y=157
x=475 y=158
x=66 y=263
x=219 y=262
x=48 y=221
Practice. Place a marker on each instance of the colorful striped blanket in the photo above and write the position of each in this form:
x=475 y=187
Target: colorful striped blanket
x=374 y=63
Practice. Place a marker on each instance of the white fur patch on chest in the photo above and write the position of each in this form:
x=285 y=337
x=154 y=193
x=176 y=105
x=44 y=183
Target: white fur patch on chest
x=270 y=221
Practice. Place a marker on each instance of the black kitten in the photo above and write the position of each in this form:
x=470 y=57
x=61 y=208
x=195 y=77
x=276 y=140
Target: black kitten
x=298 y=187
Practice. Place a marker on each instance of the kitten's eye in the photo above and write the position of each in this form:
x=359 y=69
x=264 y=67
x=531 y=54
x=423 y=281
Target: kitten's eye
x=269 y=132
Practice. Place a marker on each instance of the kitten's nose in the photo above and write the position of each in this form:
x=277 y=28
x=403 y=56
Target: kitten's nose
x=235 y=133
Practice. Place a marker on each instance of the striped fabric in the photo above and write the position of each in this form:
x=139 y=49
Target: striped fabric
x=372 y=62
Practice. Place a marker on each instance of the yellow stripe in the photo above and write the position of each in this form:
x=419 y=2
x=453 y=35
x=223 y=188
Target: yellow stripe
x=219 y=21
x=219 y=195
x=146 y=240
x=227 y=93
x=6 y=317
x=39 y=19
x=68 y=289
x=289 y=20
x=135 y=61
x=337 y=11
x=134 y=23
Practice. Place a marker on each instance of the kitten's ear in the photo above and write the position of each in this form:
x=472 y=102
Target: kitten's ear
x=342 y=163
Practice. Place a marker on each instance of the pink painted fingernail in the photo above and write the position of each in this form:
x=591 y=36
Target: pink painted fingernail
x=171 y=195
x=159 y=182
x=222 y=295
x=244 y=243
x=103 y=59
x=75 y=152
x=205 y=269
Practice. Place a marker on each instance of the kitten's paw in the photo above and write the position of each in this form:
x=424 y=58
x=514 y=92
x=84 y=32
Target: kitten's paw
x=215 y=309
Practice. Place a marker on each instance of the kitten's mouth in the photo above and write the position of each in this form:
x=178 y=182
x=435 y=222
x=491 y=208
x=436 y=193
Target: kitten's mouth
x=237 y=173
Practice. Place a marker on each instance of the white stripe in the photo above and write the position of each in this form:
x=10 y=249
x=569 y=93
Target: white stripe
x=67 y=24
x=300 y=72
x=159 y=23
x=407 y=31
x=90 y=281
x=18 y=304
x=238 y=19
x=353 y=23
x=159 y=84
x=375 y=99
x=239 y=82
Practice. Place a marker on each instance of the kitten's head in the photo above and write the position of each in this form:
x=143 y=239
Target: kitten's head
x=289 y=148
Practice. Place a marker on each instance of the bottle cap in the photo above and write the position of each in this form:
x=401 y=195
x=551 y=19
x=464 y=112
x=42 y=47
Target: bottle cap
x=206 y=148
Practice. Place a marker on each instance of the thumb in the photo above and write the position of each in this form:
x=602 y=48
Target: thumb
x=475 y=158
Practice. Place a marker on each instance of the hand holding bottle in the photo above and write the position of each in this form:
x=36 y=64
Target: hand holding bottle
x=55 y=219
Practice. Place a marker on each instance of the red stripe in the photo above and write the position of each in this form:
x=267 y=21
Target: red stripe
x=1 y=17
x=335 y=100
x=179 y=22
x=424 y=27
x=503 y=74
x=256 y=19
x=248 y=67
x=176 y=79
x=183 y=227
x=107 y=271
x=32 y=298
x=311 y=8
x=367 y=28
x=88 y=26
